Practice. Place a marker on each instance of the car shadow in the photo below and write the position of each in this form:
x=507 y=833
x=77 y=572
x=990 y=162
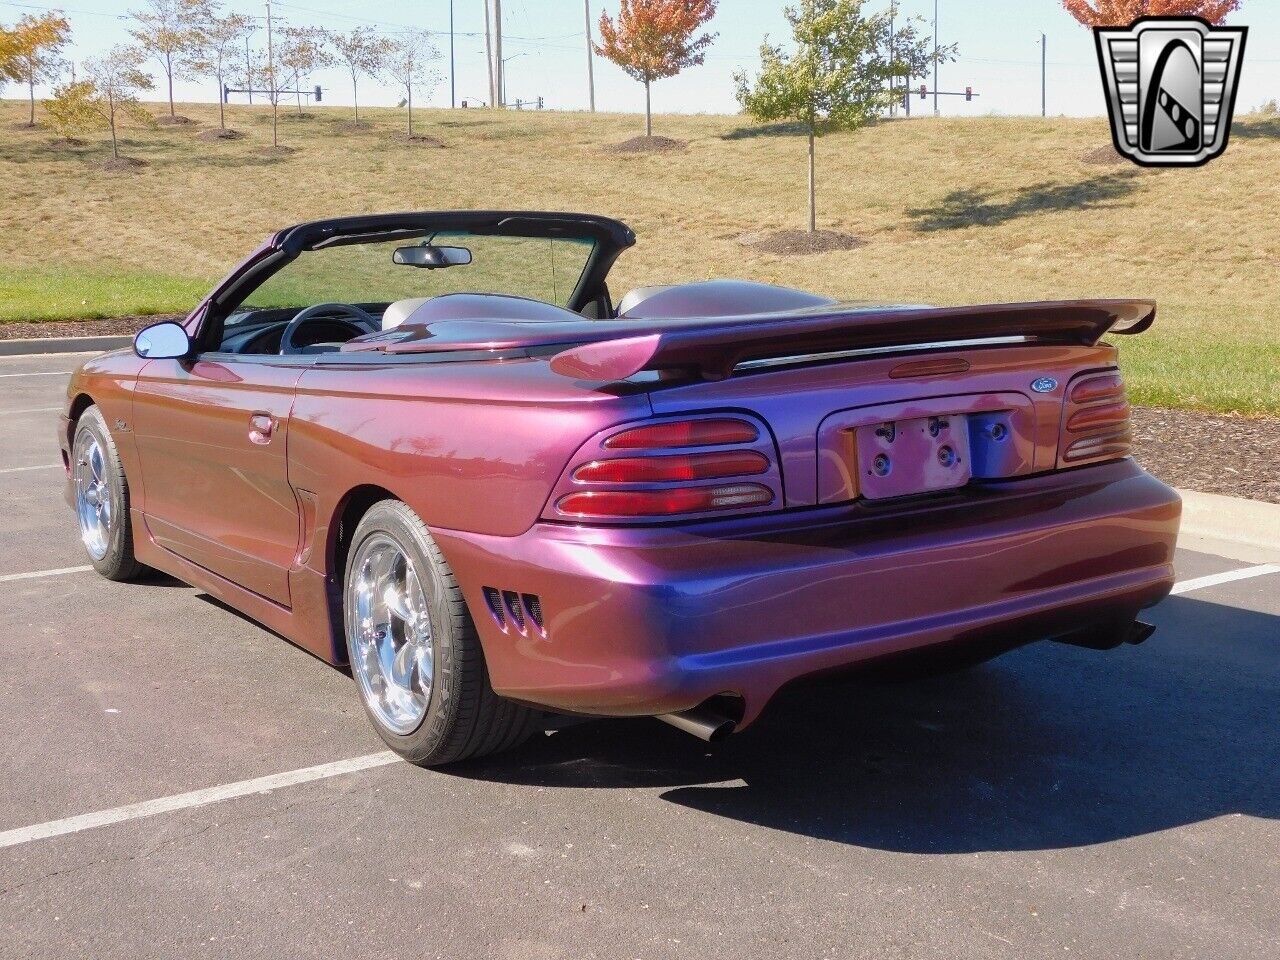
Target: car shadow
x=981 y=208
x=1048 y=747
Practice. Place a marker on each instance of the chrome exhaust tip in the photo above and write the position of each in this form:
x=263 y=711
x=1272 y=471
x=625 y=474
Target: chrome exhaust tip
x=703 y=723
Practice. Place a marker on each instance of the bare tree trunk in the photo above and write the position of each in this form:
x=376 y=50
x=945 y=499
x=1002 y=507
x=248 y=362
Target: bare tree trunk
x=648 y=112
x=222 y=103
x=813 y=191
x=355 y=103
x=31 y=91
x=111 y=119
x=168 y=69
x=409 y=112
x=488 y=53
x=297 y=89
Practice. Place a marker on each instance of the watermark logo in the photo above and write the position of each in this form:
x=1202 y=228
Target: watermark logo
x=1171 y=88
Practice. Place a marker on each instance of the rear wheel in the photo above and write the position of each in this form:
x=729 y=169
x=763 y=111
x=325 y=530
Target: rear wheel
x=413 y=647
x=102 y=499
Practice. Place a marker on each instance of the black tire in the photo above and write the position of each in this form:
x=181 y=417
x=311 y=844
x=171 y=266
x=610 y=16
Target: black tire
x=118 y=562
x=464 y=718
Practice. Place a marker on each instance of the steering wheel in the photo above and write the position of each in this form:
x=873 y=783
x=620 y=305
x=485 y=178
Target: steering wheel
x=359 y=320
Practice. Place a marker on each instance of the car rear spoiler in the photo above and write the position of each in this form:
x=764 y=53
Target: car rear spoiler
x=714 y=350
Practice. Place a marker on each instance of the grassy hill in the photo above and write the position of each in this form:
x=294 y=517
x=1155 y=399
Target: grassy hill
x=951 y=211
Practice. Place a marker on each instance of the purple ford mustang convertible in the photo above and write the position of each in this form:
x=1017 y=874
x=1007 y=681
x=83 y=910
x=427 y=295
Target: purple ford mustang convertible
x=434 y=447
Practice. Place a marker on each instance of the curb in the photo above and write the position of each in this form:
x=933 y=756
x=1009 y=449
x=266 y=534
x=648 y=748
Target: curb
x=1250 y=523
x=31 y=345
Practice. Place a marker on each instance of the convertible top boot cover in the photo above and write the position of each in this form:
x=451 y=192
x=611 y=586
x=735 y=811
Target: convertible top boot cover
x=714 y=298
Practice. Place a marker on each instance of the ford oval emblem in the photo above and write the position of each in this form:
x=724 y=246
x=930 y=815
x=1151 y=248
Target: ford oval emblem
x=1044 y=385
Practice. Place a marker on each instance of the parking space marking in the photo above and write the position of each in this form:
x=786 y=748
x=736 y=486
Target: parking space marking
x=39 y=373
x=37 y=574
x=1230 y=576
x=31 y=410
x=196 y=798
x=43 y=466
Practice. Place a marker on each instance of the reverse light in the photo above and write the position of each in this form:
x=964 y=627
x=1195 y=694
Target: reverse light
x=655 y=503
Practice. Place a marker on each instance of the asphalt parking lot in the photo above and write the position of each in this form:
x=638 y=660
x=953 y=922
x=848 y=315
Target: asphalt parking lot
x=1056 y=802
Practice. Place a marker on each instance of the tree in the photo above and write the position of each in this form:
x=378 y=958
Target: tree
x=363 y=53
x=1121 y=13
x=839 y=76
x=169 y=32
x=108 y=93
x=302 y=51
x=34 y=47
x=217 y=52
x=654 y=39
x=408 y=64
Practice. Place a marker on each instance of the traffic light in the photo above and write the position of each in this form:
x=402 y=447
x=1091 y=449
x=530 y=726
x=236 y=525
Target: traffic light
x=924 y=92
x=318 y=94
x=968 y=93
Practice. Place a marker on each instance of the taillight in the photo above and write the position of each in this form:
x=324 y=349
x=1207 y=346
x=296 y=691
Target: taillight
x=1095 y=420
x=680 y=468
x=683 y=433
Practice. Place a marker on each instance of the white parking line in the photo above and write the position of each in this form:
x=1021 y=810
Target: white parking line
x=39 y=373
x=30 y=410
x=1244 y=573
x=37 y=574
x=43 y=466
x=196 y=798
x=244 y=788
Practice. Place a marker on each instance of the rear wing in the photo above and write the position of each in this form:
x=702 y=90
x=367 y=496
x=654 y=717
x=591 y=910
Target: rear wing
x=715 y=349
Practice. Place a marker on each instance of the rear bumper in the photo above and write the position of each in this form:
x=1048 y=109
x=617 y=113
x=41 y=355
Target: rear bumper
x=649 y=621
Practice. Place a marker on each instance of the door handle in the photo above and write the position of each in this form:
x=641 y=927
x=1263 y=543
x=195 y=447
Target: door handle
x=261 y=426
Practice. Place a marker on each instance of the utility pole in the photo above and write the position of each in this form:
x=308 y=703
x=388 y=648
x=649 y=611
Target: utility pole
x=453 y=71
x=488 y=54
x=893 y=57
x=271 y=72
x=935 y=58
x=1044 y=76
x=591 y=75
x=497 y=51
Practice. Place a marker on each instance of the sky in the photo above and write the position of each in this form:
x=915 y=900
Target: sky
x=999 y=45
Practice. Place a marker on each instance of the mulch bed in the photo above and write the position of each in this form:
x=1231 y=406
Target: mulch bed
x=1103 y=156
x=1210 y=452
x=219 y=134
x=122 y=163
x=164 y=120
x=423 y=140
x=791 y=242
x=646 y=145
x=116 y=326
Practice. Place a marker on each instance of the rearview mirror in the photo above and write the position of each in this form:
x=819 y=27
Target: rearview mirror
x=431 y=258
x=162 y=341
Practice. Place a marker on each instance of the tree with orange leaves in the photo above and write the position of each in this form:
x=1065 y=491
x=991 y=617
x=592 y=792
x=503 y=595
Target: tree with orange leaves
x=1121 y=13
x=653 y=39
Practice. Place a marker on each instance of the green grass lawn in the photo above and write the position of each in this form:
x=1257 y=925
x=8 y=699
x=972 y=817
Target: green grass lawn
x=951 y=211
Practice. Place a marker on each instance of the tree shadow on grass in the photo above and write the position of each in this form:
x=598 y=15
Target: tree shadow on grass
x=766 y=130
x=980 y=208
x=1257 y=130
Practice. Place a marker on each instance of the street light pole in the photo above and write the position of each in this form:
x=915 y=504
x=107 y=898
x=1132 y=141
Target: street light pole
x=503 y=74
x=1044 y=76
x=591 y=77
x=935 y=58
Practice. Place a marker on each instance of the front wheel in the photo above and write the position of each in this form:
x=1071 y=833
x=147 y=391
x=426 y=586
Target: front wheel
x=413 y=647
x=102 y=499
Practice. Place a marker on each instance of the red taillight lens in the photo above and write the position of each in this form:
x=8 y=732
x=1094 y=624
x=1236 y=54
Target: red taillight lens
x=1100 y=415
x=654 y=503
x=684 y=433
x=695 y=466
x=1108 y=386
x=1096 y=418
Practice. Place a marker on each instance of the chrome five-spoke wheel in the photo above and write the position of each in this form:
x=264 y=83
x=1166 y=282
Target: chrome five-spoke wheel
x=95 y=495
x=393 y=656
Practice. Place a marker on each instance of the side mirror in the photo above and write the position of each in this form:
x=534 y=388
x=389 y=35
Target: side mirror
x=431 y=258
x=162 y=341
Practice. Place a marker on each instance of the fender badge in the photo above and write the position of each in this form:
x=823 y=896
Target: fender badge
x=1044 y=385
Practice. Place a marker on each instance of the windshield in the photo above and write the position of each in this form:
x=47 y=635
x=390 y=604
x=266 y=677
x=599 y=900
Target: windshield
x=363 y=272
